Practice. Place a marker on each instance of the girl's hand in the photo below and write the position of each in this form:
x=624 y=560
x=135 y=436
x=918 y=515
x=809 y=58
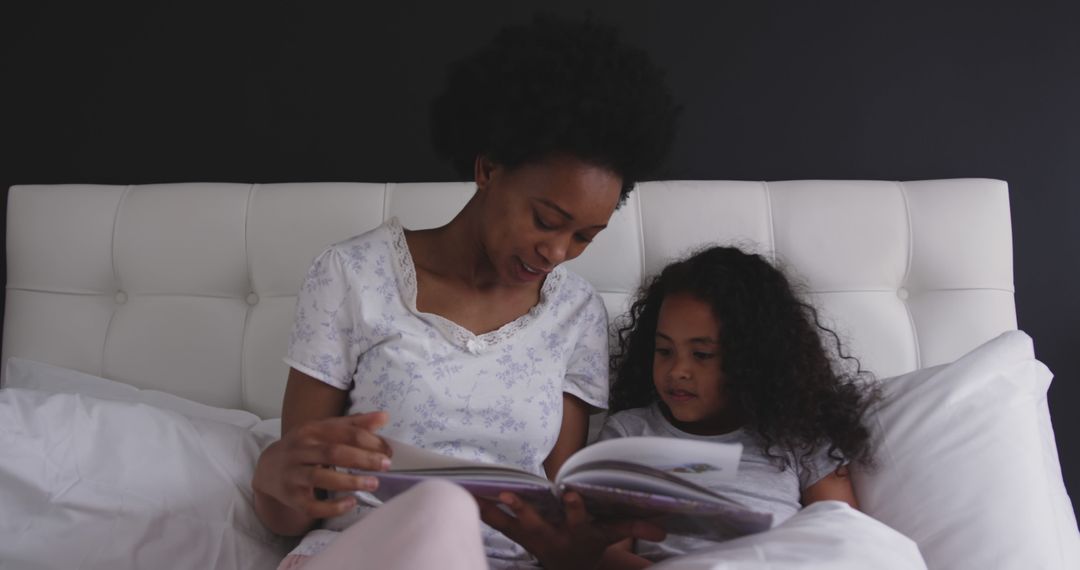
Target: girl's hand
x=292 y=468
x=576 y=543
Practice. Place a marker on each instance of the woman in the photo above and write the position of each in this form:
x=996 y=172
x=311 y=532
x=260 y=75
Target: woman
x=471 y=339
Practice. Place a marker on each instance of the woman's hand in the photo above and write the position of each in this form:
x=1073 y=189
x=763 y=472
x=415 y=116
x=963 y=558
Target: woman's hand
x=576 y=543
x=291 y=469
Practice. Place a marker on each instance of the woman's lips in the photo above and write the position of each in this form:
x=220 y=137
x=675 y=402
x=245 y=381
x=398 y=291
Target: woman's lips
x=526 y=272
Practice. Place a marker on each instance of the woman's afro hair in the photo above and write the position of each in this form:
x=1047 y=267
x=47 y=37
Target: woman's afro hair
x=556 y=88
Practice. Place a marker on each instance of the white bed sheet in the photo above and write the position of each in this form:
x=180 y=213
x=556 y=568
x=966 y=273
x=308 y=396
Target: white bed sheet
x=827 y=534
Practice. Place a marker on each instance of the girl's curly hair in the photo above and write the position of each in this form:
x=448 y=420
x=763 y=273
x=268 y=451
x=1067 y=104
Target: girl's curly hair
x=556 y=87
x=776 y=366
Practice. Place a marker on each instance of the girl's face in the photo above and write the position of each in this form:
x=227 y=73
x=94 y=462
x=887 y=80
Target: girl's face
x=541 y=214
x=686 y=367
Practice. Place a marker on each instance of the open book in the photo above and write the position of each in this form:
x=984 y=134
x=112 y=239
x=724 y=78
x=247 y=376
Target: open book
x=656 y=478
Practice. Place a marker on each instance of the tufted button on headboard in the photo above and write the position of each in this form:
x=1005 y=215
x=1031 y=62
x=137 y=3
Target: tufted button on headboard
x=190 y=288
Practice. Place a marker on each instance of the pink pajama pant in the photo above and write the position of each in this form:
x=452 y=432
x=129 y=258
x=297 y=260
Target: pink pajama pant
x=435 y=524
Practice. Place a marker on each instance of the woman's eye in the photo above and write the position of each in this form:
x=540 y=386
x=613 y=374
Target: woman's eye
x=540 y=222
x=703 y=355
x=663 y=351
x=582 y=239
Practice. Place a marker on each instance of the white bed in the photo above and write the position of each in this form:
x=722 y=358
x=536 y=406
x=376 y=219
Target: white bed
x=186 y=293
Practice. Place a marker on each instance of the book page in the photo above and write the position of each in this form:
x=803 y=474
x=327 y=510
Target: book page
x=415 y=461
x=691 y=460
x=634 y=477
x=664 y=480
x=408 y=457
x=479 y=484
x=411 y=465
x=710 y=519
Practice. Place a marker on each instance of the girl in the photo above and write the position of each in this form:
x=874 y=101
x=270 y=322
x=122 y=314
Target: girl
x=718 y=347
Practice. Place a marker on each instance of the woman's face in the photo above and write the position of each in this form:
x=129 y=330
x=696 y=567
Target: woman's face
x=541 y=214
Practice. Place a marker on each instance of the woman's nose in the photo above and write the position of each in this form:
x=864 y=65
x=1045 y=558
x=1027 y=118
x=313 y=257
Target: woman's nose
x=553 y=250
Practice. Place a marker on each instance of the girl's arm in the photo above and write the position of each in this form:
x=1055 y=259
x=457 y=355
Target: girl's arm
x=835 y=486
x=314 y=434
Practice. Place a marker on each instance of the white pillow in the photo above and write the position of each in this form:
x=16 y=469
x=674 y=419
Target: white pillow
x=270 y=428
x=827 y=534
x=23 y=373
x=967 y=465
x=102 y=484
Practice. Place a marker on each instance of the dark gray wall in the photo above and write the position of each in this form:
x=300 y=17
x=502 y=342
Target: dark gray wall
x=272 y=91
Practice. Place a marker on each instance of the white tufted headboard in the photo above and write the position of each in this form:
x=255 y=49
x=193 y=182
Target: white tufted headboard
x=190 y=288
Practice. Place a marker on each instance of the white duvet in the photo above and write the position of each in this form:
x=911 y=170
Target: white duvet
x=89 y=483
x=99 y=484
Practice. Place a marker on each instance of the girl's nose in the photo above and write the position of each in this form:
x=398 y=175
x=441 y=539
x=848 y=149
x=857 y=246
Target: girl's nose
x=680 y=370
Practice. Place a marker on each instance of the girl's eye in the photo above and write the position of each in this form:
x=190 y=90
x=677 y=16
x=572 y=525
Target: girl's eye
x=703 y=355
x=582 y=239
x=663 y=351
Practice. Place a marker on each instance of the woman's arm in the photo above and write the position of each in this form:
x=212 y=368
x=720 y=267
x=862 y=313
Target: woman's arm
x=835 y=486
x=577 y=542
x=620 y=556
x=314 y=435
x=572 y=434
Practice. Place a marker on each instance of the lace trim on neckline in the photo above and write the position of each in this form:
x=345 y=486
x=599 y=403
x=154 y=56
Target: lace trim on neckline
x=459 y=335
